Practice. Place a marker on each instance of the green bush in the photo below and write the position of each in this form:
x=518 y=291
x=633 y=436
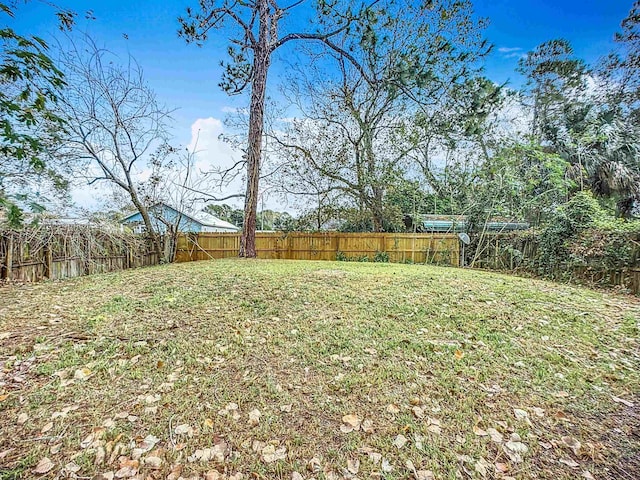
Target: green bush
x=580 y=213
x=381 y=257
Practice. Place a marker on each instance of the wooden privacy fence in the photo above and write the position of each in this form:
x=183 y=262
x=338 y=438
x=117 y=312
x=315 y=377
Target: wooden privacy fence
x=34 y=254
x=399 y=247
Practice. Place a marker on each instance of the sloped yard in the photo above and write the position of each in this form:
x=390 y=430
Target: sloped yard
x=283 y=369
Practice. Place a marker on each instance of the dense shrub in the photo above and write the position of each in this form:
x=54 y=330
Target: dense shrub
x=578 y=214
x=579 y=241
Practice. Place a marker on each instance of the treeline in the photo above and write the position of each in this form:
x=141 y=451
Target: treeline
x=387 y=123
x=478 y=149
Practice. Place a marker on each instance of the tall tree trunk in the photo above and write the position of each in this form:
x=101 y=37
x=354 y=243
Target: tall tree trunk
x=153 y=235
x=261 y=60
x=377 y=210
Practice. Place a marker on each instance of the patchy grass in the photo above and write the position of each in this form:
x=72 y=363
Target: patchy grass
x=140 y=373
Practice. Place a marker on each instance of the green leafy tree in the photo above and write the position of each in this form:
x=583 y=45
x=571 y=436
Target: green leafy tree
x=593 y=131
x=621 y=69
x=555 y=78
x=227 y=213
x=29 y=87
x=357 y=126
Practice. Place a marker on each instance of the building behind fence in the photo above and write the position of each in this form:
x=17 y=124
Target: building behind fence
x=34 y=254
x=394 y=247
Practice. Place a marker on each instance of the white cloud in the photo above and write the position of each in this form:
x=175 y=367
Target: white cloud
x=515 y=55
x=229 y=109
x=509 y=49
x=210 y=150
x=511 y=52
x=214 y=154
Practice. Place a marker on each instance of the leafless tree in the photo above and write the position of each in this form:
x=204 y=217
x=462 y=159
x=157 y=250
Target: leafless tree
x=113 y=119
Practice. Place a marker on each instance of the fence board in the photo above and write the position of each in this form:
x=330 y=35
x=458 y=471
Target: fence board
x=31 y=255
x=400 y=247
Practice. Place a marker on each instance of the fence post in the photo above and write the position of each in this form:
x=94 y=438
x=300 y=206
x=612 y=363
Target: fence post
x=87 y=258
x=9 y=258
x=413 y=249
x=48 y=259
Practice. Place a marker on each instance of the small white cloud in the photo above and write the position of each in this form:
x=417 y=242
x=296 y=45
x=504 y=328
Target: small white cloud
x=229 y=109
x=509 y=49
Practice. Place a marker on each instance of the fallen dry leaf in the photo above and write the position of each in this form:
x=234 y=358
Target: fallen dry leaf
x=314 y=465
x=105 y=476
x=495 y=435
x=254 y=418
x=367 y=426
x=72 y=467
x=424 y=475
x=213 y=475
x=22 y=418
x=47 y=427
x=482 y=467
x=82 y=373
x=353 y=465
x=88 y=440
x=479 y=432
x=126 y=472
x=520 y=414
x=400 y=441
x=184 y=429
x=393 y=409
x=100 y=456
x=350 y=423
x=539 y=412
x=514 y=450
x=622 y=401
x=44 y=465
x=153 y=462
x=433 y=428
x=375 y=457
x=569 y=462
x=270 y=454
x=573 y=444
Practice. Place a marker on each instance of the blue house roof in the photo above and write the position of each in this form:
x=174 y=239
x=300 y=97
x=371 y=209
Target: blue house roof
x=161 y=214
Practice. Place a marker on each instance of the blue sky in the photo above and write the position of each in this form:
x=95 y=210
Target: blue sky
x=186 y=77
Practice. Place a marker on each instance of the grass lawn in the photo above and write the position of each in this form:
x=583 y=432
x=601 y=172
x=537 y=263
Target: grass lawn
x=284 y=369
